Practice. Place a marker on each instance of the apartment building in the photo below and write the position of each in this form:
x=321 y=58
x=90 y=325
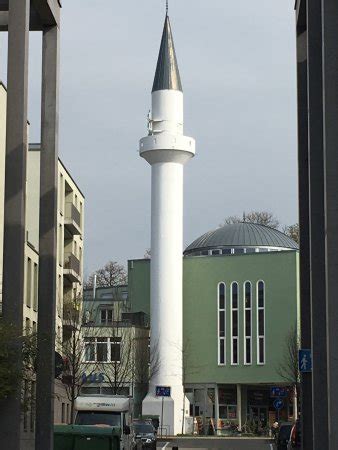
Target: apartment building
x=69 y=267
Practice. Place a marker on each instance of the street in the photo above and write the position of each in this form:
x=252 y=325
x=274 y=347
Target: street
x=217 y=444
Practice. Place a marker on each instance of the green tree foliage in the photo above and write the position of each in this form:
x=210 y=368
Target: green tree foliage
x=12 y=374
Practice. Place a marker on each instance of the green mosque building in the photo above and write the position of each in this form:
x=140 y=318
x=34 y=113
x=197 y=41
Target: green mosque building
x=240 y=309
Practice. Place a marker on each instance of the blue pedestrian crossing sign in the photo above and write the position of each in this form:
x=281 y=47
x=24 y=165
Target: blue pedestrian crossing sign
x=305 y=361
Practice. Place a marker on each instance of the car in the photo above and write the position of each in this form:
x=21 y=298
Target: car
x=295 y=441
x=283 y=436
x=144 y=434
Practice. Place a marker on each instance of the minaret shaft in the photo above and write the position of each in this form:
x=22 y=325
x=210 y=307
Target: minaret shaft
x=166 y=149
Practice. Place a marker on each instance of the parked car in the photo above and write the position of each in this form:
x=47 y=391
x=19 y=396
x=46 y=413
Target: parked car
x=283 y=436
x=144 y=434
x=295 y=438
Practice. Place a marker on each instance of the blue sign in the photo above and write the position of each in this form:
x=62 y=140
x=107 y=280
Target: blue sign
x=278 y=392
x=278 y=403
x=305 y=361
x=93 y=378
x=163 y=391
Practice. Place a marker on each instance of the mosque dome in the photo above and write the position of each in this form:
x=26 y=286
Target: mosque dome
x=240 y=238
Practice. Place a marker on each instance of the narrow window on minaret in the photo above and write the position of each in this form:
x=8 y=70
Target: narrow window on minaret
x=234 y=323
x=221 y=324
x=247 y=323
x=260 y=322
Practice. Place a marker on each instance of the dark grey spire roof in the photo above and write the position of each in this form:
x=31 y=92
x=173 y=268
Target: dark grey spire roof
x=167 y=75
x=241 y=235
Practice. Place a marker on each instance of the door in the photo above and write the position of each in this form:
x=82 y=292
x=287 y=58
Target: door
x=259 y=415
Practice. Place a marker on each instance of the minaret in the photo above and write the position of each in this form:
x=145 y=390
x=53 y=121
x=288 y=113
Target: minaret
x=166 y=149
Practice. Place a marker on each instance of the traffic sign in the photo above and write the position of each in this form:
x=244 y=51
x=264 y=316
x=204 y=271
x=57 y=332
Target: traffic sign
x=163 y=391
x=278 y=403
x=305 y=360
x=278 y=392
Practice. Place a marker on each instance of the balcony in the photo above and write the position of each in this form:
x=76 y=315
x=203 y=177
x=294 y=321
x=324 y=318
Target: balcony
x=72 y=219
x=71 y=268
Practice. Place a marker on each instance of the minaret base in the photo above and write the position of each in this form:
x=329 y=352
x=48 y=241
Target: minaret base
x=174 y=408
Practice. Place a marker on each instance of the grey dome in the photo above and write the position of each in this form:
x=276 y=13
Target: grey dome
x=244 y=234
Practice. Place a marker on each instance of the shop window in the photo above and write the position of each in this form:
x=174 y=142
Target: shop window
x=227 y=399
x=247 y=323
x=221 y=300
x=234 y=323
x=260 y=322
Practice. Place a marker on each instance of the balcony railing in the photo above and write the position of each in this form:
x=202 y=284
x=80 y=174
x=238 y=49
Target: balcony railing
x=71 y=268
x=72 y=218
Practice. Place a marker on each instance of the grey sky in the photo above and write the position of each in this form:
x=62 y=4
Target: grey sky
x=237 y=64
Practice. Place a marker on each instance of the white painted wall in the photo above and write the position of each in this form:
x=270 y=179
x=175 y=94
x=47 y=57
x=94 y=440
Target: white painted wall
x=167 y=150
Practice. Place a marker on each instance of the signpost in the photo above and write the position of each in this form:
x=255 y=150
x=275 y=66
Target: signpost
x=162 y=391
x=278 y=405
x=305 y=360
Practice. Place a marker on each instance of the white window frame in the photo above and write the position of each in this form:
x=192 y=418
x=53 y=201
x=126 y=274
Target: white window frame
x=245 y=309
x=96 y=340
x=221 y=338
x=258 y=335
x=234 y=338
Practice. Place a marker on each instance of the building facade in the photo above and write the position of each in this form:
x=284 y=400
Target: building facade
x=115 y=344
x=240 y=307
x=69 y=257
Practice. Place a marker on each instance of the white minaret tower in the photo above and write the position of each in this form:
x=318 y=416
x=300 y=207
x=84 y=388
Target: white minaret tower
x=166 y=149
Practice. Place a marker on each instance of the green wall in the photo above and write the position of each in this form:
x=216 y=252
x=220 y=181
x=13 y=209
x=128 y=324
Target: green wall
x=279 y=271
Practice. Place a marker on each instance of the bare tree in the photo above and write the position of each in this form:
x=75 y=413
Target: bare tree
x=111 y=274
x=73 y=348
x=147 y=254
x=288 y=369
x=266 y=218
x=292 y=231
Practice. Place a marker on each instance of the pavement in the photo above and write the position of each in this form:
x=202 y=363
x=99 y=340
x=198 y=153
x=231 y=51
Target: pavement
x=216 y=444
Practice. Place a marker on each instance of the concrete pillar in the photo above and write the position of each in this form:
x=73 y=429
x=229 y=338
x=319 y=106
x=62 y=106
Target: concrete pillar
x=304 y=245
x=239 y=406
x=330 y=96
x=14 y=214
x=47 y=243
x=317 y=225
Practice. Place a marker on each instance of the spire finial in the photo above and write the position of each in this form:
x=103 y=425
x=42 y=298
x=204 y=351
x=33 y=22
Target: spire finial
x=166 y=7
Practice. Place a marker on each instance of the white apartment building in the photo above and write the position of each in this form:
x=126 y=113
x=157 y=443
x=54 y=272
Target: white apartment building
x=69 y=252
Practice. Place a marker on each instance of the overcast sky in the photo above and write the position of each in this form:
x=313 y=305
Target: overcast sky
x=237 y=64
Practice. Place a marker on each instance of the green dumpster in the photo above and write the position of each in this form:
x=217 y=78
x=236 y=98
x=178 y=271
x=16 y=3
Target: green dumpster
x=81 y=437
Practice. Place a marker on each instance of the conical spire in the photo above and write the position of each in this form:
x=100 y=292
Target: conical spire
x=167 y=75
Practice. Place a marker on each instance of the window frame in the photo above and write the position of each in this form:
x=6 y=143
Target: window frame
x=219 y=337
x=232 y=337
x=259 y=336
x=245 y=336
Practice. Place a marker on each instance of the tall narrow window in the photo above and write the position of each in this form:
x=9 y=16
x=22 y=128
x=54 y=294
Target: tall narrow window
x=247 y=323
x=260 y=322
x=234 y=323
x=221 y=324
x=36 y=287
x=29 y=283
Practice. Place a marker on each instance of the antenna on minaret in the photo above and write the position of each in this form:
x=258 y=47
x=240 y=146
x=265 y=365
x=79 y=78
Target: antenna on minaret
x=166 y=7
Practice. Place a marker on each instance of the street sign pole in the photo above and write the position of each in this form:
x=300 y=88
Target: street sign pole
x=162 y=416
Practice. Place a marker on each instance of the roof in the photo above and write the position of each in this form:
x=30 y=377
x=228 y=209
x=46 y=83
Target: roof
x=167 y=75
x=241 y=235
